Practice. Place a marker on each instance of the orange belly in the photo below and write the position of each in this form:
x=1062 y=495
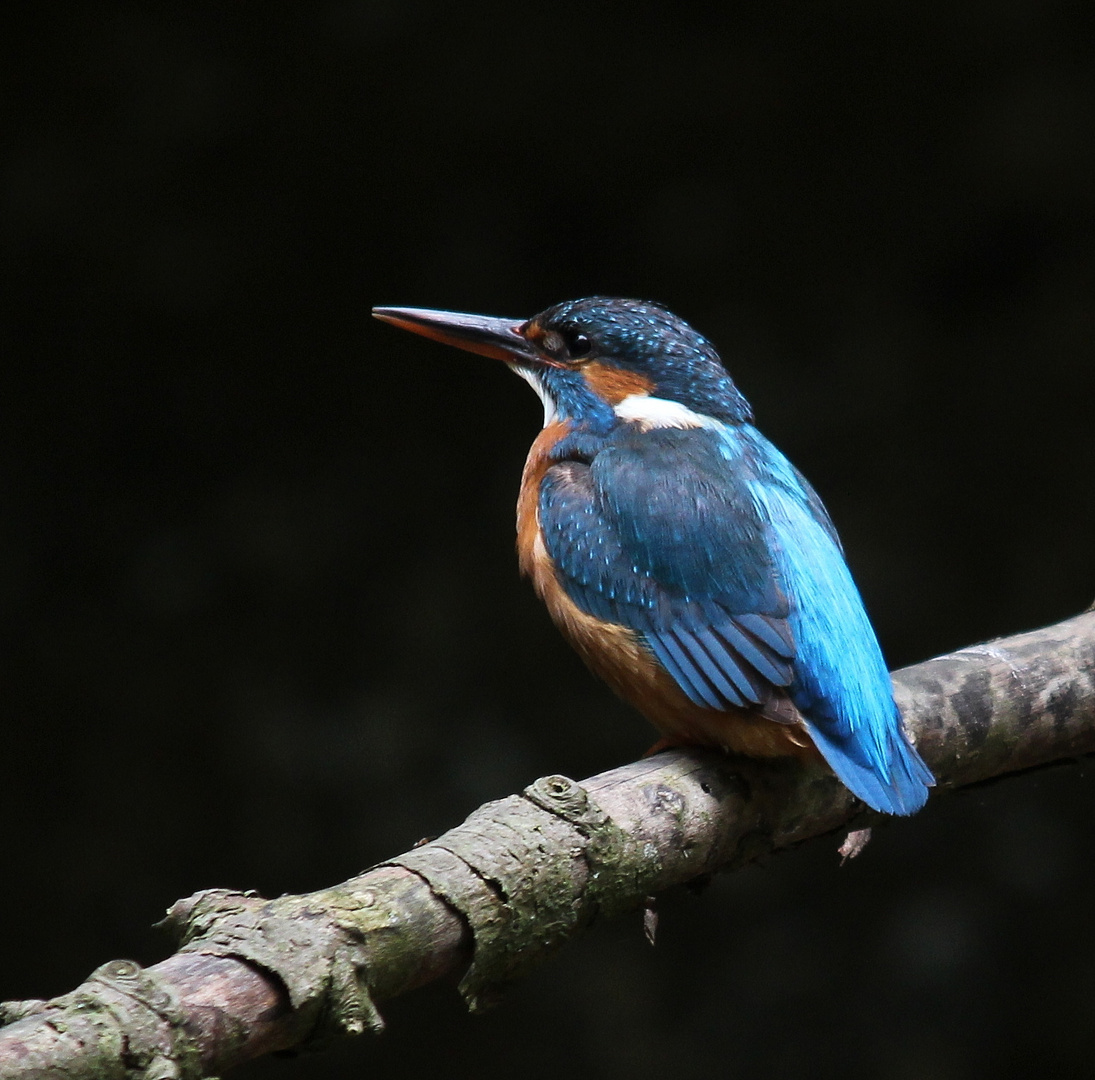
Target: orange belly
x=620 y=657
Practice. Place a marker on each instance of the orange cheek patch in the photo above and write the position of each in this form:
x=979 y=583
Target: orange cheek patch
x=613 y=384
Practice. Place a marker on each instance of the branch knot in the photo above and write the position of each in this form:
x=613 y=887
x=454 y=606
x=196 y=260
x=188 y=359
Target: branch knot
x=132 y=1015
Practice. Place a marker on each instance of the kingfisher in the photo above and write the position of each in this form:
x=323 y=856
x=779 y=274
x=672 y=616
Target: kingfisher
x=689 y=563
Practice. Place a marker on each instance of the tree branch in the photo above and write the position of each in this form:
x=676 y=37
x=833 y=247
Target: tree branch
x=502 y=891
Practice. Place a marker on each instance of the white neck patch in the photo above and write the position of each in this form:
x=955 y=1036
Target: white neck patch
x=551 y=413
x=654 y=412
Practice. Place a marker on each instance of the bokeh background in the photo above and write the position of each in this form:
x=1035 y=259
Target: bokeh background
x=262 y=620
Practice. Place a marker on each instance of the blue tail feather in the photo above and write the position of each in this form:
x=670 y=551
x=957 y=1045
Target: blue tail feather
x=897 y=785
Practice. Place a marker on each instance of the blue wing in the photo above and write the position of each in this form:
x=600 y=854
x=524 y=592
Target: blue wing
x=684 y=562
x=710 y=544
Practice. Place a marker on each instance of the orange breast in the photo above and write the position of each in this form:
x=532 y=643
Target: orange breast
x=620 y=657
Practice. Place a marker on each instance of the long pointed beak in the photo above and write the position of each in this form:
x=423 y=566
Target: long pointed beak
x=500 y=339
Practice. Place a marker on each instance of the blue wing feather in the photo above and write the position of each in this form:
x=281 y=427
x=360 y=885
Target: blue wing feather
x=774 y=633
x=712 y=545
x=778 y=671
x=746 y=685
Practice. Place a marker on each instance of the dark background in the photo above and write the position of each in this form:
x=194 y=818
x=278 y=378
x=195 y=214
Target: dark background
x=263 y=621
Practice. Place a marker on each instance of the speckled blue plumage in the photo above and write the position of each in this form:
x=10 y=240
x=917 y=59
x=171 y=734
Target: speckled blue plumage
x=648 y=339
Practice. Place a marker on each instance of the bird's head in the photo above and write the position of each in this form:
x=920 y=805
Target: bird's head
x=598 y=360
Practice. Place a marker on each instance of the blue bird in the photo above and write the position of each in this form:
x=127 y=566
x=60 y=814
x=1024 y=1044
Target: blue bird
x=686 y=559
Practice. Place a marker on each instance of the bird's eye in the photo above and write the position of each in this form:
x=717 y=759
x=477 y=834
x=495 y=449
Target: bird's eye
x=578 y=345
